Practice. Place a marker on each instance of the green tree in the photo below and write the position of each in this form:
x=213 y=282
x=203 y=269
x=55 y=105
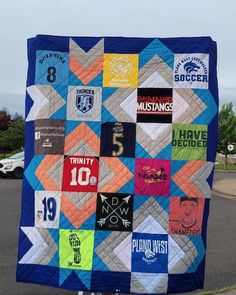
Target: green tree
x=16 y=133
x=227 y=130
x=5 y=118
x=12 y=138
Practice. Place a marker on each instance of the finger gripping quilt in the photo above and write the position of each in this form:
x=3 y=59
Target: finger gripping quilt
x=120 y=144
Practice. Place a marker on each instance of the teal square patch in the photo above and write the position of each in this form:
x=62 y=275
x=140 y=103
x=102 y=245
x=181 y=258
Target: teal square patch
x=51 y=67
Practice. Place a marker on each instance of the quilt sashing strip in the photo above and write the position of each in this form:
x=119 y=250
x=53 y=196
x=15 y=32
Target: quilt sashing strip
x=120 y=144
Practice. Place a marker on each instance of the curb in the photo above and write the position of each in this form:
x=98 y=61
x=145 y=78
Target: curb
x=226 y=171
x=227 y=290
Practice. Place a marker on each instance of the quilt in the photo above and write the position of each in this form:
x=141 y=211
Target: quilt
x=120 y=144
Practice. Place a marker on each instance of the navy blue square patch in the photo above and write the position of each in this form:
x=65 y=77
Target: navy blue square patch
x=149 y=253
x=118 y=139
x=187 y=282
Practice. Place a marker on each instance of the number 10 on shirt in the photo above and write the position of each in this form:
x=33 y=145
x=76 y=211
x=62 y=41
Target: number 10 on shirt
x=80 y=174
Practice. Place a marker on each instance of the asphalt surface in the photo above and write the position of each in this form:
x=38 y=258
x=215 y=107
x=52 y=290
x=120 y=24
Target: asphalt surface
x=221 y=250
x=220 y=175
x=10 y=194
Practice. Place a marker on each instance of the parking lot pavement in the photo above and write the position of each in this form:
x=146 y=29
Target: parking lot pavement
x=10 y=194
x=221 y=250
x=225 y=184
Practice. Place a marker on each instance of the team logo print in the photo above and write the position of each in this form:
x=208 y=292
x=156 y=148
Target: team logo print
x=191 y=70
x=149 y=252
x=80 y=174
x=114 y=212
x=186 y=215
x=121 y=65
x=154 y=105
x=152 y=177
x=84 y=103
x=118 y=128
x=191 y=67
x=84 y=99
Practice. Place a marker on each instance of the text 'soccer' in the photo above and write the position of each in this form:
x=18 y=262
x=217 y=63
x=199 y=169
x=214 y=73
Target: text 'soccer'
x=120 y=144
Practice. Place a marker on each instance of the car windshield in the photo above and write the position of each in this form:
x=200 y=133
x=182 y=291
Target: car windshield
x=17 y=156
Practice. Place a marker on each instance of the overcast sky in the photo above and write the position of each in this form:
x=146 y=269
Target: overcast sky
x=21 y=19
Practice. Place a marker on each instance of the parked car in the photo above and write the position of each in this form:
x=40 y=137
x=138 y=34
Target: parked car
x=12 y=166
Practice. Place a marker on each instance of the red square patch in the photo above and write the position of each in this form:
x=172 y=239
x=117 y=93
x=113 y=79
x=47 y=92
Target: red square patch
x=80 y=174
x=186 y=215
x=152 y=177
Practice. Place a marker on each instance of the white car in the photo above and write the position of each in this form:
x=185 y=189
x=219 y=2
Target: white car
x=12 y=166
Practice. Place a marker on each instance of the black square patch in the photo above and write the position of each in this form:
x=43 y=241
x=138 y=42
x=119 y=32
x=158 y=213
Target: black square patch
x=49 y=136
x=114 y=212
x=154 y=105
x=118 y=139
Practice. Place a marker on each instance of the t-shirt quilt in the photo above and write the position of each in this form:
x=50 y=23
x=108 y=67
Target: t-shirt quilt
x=120 y=144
